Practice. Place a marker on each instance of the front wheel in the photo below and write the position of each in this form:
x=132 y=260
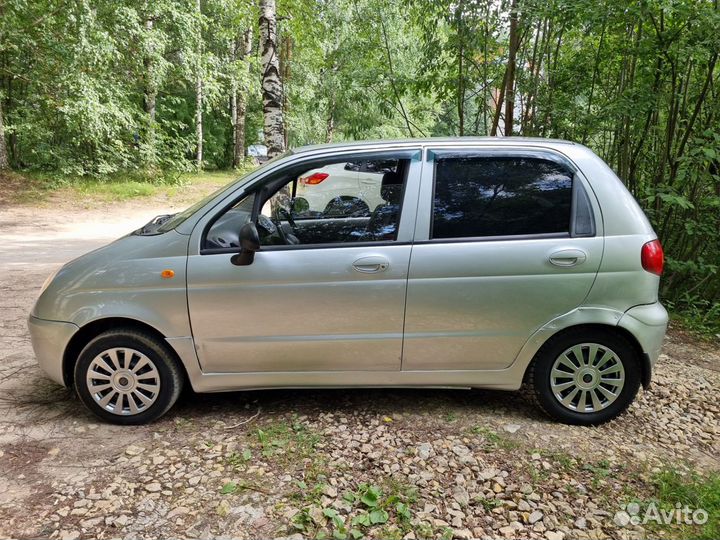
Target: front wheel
x=127 y=377
x=586 y=377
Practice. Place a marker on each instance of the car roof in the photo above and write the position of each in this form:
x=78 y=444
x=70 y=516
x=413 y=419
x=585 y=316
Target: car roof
x=502 y=141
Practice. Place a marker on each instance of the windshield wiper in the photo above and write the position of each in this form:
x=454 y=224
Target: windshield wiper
x=154 y=224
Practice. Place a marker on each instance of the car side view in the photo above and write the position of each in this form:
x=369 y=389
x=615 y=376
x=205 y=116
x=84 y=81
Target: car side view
x=464 y=262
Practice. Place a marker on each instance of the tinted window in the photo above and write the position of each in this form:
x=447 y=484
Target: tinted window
x=499 y=196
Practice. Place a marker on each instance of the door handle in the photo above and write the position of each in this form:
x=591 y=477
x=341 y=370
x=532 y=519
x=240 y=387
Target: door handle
x=371 y=265
x=568 y=257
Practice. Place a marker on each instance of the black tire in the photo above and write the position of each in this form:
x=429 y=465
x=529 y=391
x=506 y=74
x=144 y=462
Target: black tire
x=539 y=375
x=170 y=375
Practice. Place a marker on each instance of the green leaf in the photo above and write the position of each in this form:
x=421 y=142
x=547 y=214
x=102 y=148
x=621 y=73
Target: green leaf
x=371 y=497
x=230 y=487
x=334 y=516
x=356 y=534
x=361 y=519
x=247 y=454
x=378 y=516
x=403 y=511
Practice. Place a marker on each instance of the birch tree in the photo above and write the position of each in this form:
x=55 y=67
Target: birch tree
x=239 y=98
x=4 y=160
x=272 y=90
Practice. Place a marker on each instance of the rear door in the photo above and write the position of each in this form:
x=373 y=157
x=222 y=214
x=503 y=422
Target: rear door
x=505 y=242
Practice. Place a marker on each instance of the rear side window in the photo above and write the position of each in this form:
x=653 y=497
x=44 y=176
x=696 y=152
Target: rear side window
x=500 y=196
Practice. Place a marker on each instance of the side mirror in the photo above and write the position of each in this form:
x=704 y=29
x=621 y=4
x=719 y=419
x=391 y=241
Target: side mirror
x=249 y=244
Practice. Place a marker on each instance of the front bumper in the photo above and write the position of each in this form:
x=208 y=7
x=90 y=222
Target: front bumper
x=49 y=341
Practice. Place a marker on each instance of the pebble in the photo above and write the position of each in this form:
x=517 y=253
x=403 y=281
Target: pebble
x=451 y=475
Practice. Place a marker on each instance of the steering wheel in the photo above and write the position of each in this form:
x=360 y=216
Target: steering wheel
x=283 y=213
x=273 y=227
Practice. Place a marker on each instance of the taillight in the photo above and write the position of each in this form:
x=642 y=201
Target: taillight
x=314 y=179
x=652 y=257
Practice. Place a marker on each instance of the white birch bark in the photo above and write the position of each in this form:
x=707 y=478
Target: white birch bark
x=4 y=160
x=272 y=91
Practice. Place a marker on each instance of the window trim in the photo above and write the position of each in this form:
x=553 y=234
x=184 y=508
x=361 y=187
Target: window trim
x=412 y=154
x=434 y=154
x=578 y=190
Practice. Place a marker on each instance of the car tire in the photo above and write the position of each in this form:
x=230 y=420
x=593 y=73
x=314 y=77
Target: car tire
x=585 y=377
x=127 y=377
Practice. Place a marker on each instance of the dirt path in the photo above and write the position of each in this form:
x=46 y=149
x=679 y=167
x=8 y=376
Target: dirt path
x=276 y=463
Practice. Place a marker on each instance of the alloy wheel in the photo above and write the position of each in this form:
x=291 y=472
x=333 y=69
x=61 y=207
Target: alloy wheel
x=587 y=377
x=123 y=381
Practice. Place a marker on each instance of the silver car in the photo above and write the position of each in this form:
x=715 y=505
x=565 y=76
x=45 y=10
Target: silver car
x=489 y=263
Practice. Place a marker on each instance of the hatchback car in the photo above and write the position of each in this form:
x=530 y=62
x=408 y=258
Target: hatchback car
x=488 y=263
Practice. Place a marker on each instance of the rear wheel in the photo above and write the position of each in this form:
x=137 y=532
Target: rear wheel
x=127 y=377
x=586 y=377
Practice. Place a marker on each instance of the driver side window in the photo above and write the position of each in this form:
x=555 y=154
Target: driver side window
x=327 y=203
x=336 y=202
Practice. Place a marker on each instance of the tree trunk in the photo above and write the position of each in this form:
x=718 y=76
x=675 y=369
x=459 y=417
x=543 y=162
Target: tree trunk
x=241 y=106
x=273 y=123
x=4 y=161
x=199 y=91
x=460 y=74
x=330 y=127
x=238 y=98
x=499 y=104
x=285 y=73
x=150 y=96
x=512 y=55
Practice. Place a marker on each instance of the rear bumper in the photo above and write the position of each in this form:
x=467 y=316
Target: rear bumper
x=648 y=323
x=49 y=341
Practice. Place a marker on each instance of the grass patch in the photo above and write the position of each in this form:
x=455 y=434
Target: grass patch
x=281 y=438
x=701 y=319
x=34 y=187
x=494 y=439
x=600 y=471
x=377 y=511
x=694 y=491
x=116 y=190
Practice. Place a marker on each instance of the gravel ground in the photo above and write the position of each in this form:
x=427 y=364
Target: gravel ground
x=383 y=463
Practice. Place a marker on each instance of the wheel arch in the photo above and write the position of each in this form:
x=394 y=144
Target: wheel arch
x=643 y=358
x=94 y=328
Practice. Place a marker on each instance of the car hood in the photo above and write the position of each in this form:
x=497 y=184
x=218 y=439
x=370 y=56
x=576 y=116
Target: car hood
x=127 y=262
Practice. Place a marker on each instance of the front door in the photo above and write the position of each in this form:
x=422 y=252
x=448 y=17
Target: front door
x=324 y=293
x=505 y=243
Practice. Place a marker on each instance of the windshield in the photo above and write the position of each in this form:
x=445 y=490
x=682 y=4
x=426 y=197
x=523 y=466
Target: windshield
x=177 y=219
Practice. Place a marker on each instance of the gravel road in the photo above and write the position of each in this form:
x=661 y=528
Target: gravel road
x=382 y=463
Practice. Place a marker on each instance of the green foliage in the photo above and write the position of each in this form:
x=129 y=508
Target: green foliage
x=228 y=488
x=636 y=82
x=674 y=489
x=374 y=510
x=494 y=440
x=283 y=439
